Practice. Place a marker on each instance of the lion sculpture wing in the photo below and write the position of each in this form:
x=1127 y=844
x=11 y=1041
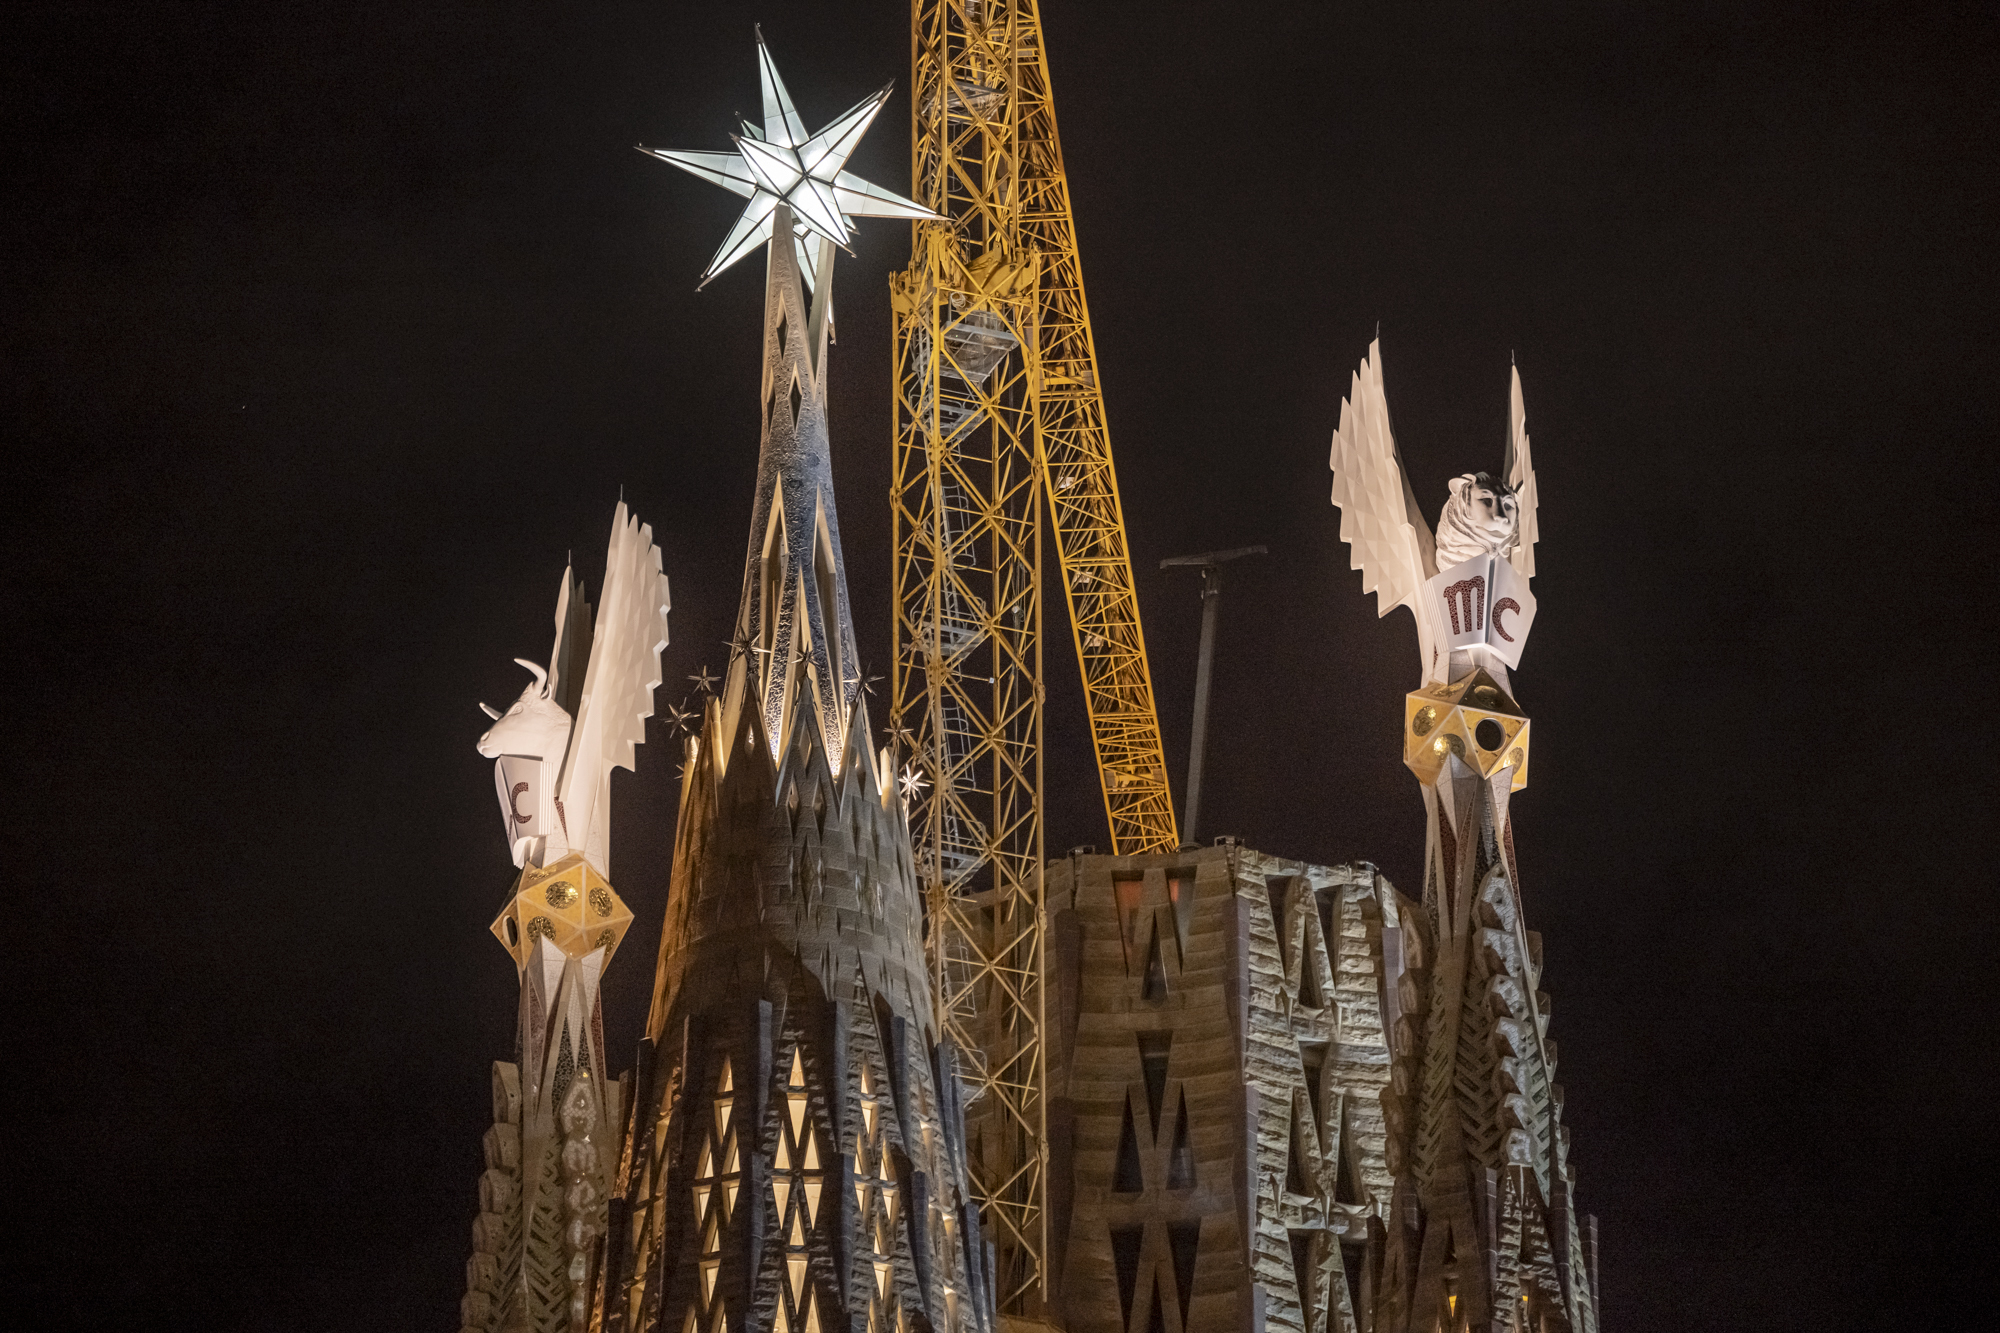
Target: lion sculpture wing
x=1520 y=477
x=1379 y=520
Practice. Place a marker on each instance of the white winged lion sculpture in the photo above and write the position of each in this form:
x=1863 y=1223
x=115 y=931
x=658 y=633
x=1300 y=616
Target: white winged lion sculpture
x=1466 y=582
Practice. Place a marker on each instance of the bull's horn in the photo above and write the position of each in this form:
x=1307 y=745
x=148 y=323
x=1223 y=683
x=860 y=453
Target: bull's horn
x=541 y=676
x=490 y=711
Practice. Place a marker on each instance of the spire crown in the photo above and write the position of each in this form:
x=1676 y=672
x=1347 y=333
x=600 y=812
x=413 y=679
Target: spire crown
x=783 y=167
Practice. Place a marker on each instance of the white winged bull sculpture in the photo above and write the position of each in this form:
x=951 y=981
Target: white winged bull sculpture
x=1467 y=582
x=554 y=750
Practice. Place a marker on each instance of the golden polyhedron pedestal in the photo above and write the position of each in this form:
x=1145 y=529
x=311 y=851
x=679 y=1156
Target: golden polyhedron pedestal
x=569 y=903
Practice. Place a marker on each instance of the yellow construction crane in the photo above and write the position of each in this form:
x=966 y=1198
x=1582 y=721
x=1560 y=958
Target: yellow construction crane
x=999 y=416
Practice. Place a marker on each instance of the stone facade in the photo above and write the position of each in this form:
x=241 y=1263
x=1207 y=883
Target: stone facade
x=1217 y=1054
x=1239 y=1091
x=798 y=1162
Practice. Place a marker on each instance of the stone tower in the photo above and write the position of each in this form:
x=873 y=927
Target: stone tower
x=1219 y=1045
x=795 y=1160
x=1260 y=1118
x=1483 y=1232
x=552 y=1147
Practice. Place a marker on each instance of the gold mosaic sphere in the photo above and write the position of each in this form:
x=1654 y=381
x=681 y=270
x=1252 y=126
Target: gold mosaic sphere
x=1454 y=744
x=1515 y=757
x=606 y=938
x=600 y=900
x=541 y=928
x=1485 y=696
x=560 y=894
x=1425 y=719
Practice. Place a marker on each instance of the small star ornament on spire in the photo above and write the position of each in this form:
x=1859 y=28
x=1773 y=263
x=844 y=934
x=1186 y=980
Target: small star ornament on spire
x=782 y=164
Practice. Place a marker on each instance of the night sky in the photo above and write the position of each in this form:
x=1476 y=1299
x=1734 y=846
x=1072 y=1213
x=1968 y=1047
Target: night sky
x=330 y=329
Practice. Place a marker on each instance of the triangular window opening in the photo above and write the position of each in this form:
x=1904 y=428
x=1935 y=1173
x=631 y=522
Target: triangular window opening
x=829 y=597
x=1296 y=1180
x=1180 y=1163
x=1156 y=973
x=1353 y=1259
x=1126 y=891
x=1309 y=988
x=1275 y=886
x=1126 y=1177
x=1184 y=1242
x=1325 y=899
x=1312 y=1060
x=1125 y=1243
x=797 y=397
x=1157 y=1321
x=1347 y=1174
x=1302 y=1274
x=565 y=1068
x=773 y=582
x=1153 y=1049
x=784 y=328
x=1180 y=892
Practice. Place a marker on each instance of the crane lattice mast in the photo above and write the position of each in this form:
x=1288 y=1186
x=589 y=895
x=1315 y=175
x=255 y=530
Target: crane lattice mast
x=999 y=417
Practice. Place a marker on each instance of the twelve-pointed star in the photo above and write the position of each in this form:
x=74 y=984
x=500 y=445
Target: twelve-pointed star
x=782 y=164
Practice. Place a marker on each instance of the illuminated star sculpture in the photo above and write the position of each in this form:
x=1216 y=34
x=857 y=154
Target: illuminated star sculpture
x=781 y=164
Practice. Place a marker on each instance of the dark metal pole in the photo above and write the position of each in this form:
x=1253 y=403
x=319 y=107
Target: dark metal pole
x=1211 y=593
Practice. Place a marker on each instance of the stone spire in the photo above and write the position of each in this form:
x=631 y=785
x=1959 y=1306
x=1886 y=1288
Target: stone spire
x=1482 y=1230
x=552 y=1148
x=794 y=634
x=796 y=1158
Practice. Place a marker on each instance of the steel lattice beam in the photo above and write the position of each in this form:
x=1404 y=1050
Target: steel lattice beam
x=999 y=420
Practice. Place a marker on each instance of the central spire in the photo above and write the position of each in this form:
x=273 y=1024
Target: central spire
x=794 y=638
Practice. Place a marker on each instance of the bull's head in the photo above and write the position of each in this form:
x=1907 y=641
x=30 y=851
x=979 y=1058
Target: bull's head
x=535 y=726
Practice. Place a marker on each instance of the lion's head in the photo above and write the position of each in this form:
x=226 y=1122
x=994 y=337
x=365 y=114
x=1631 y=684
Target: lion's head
x=1481 y=517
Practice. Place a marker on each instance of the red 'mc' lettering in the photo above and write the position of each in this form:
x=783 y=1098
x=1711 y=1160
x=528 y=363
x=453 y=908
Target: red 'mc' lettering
x=1471 y=594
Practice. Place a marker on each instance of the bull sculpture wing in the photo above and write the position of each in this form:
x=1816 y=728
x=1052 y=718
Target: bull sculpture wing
x=617 y=695
x=1391 y=543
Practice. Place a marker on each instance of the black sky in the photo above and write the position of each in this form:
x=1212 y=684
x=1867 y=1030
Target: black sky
x=329 y=329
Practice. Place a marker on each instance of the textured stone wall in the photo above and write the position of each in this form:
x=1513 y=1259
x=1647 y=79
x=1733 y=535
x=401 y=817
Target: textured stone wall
x=549 y=1154
x=1483 y=1232
x=1217 y=1053
x=798 y=1160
